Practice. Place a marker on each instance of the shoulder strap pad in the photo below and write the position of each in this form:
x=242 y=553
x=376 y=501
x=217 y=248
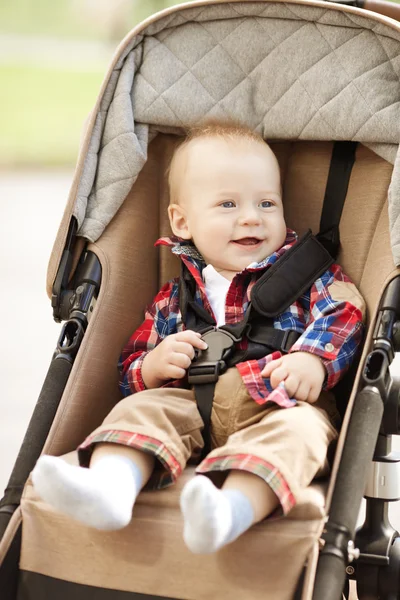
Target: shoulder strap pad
x=194 y=316
x=290 y=276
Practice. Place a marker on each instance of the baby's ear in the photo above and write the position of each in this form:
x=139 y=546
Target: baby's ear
x=178 y=221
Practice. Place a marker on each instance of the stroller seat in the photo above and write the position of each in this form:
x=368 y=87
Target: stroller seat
x=150 y=555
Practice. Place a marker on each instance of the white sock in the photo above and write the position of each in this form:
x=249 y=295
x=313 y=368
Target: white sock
x=213 y=517
x=101 y=497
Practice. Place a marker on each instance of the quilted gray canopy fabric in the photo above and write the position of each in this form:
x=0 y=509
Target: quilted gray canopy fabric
x=289 y=70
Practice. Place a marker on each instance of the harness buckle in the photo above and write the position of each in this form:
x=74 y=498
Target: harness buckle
x=290 y=336
x=207 y=372
x=209 y=364
x=285 y=340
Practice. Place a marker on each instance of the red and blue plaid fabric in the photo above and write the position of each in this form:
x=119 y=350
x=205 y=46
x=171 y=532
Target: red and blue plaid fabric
x=253 y=464
x=329 y=328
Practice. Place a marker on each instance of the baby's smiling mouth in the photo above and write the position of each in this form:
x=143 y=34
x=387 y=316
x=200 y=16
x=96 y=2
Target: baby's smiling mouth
x=247 y=241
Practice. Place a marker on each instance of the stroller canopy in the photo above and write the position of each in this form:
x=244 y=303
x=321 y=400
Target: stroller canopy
x=291 y=71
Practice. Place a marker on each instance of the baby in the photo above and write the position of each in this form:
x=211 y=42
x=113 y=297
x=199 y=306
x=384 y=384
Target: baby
x=270 y=428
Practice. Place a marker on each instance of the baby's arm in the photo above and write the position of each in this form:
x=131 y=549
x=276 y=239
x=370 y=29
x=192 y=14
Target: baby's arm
x=329 y=343
x=157 y=351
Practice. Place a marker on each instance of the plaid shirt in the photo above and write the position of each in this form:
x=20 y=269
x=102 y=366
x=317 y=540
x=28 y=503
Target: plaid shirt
x=329 y=329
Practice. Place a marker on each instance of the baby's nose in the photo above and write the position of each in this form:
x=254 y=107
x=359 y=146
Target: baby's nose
x=249 y=217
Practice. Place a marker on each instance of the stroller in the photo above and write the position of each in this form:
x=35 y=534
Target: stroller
x=321 y=82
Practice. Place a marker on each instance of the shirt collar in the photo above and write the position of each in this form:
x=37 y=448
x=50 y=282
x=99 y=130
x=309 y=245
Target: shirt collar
x=186 y=249
x=180 y=246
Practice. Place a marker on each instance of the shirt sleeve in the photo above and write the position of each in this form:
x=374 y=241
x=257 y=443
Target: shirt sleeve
x=334 y=326
x=159 y=321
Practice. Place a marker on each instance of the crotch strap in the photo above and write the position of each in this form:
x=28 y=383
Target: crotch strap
x=204 y=372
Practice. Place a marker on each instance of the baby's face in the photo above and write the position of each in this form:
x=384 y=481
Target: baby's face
x=229 y=202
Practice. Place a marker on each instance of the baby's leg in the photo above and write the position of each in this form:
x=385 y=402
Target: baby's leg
x=214 y=518
x=263 y=500
x=101 y=496
x=288 y=449
x=162 y=423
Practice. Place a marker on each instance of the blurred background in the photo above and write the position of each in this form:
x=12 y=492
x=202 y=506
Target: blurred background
x=53 y=57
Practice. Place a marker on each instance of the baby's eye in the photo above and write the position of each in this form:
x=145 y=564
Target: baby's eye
x=228 y=204
x=266 y=204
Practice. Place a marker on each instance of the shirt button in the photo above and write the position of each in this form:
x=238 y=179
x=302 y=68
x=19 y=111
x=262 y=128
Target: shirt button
x=329 y=347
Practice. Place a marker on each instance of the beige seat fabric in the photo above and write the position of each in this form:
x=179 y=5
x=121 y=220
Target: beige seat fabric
x=150 y=557
x=271 y=555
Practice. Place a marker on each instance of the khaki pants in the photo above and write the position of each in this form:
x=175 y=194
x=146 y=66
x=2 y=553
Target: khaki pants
x=287 y=447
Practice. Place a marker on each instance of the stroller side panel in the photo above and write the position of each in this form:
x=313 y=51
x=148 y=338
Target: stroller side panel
x=128 y=283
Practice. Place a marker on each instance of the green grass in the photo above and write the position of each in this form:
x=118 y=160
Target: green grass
x=43 y=17
x=72 y=18
x=42 y=108
x=42 y=111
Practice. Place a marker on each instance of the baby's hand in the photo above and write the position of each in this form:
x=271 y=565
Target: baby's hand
x=303 y=374
x=171 y=358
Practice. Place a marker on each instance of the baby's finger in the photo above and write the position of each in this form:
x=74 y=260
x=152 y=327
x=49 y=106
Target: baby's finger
x=180 y=360
x=174 y=372
x=267 y=370
x=291 y=385
x=303 y=391
x=314 y=394
x=192 y=337
x=183 y=348
x=278 y=375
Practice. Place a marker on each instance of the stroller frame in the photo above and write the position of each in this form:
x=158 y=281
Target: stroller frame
x=373 y=559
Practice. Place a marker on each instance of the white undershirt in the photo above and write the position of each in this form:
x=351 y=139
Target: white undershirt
x=217 y=288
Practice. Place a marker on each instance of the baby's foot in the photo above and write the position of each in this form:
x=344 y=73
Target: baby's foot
x=207 y=516
x=101 y=497
x=213 y=517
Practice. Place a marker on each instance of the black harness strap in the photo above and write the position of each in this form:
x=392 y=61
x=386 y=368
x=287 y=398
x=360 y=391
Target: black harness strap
x=194 y=316
x=290 y=276
x=343 y=157
x=203 y=393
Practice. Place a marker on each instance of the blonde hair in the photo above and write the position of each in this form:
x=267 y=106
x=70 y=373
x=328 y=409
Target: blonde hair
x=228 y=130
x=225 y=130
